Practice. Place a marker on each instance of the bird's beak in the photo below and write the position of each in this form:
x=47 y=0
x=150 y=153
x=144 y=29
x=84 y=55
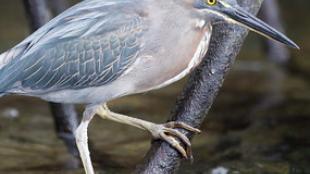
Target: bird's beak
x=253 y=23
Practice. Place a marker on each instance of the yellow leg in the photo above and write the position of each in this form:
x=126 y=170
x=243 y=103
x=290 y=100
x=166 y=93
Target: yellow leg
x=82 y=139
x=165 y=132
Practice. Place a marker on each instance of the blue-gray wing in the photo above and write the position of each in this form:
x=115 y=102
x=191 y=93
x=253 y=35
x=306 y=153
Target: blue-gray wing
x=81 y=48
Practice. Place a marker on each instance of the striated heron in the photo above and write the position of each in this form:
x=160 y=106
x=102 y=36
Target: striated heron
x=100 y=50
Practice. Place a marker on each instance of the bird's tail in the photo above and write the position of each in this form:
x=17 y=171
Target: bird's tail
x=7 y=80
x=3 y=94
x=7 y=77
x=3 y=61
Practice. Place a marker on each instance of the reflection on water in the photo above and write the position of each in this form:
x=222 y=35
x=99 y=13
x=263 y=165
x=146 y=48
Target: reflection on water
x=259 y=123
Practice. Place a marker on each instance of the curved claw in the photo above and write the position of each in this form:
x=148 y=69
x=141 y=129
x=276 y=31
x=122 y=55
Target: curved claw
x=179 y=135
x=178 y=124
x=167 y=133
x=174 y=143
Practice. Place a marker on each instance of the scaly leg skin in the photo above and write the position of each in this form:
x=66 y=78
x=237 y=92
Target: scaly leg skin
x=82 y=140
x=164 y=132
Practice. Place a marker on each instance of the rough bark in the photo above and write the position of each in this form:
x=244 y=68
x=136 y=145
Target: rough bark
x=199 y=94
x=37 y=12
x=64 y=115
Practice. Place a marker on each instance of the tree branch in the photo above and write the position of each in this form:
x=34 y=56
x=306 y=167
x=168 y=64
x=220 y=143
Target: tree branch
x=37 y=12
x=201 y=90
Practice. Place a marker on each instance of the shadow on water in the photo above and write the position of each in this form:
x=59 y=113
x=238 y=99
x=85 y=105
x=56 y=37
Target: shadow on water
x=259 y=123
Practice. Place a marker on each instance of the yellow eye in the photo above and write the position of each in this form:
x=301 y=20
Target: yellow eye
x=211 y=2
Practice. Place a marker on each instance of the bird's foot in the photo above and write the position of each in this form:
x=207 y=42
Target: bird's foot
x=167 y=133
x=164 y=132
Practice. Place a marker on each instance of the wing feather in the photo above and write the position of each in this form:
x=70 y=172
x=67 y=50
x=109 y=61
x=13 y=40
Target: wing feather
x=83 y=47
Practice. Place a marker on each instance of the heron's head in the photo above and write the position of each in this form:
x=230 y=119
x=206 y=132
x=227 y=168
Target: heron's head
x=229 y=11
